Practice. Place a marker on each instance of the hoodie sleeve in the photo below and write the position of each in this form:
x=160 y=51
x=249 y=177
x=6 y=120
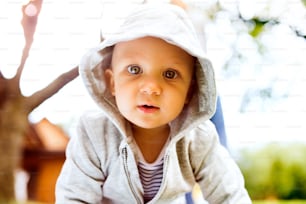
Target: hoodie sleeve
x=81 y=177
x=218 y=175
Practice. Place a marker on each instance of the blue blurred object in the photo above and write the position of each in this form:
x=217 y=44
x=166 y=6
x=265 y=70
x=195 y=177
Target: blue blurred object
x=188 y=198
x=218 y=121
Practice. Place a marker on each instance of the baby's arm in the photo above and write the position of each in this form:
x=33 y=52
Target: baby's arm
x=216 y=172
x=81 y=178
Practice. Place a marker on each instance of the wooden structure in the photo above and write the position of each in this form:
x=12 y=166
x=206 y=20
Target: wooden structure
x=43 y=157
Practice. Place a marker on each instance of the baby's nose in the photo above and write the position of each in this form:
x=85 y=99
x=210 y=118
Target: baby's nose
x=150 y=86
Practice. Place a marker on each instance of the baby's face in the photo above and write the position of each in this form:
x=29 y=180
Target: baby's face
x=150 y=80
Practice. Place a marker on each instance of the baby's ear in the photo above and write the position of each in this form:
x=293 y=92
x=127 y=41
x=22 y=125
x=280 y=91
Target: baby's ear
x=109 y=77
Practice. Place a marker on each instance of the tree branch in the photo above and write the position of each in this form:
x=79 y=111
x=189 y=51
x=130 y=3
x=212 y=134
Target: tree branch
x=39 y=97
x=30 y=13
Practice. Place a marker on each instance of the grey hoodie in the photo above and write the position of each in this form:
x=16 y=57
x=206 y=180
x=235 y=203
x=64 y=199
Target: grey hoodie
x=101 y=166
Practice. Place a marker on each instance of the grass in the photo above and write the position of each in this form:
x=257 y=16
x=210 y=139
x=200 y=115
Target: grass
x=280 y=202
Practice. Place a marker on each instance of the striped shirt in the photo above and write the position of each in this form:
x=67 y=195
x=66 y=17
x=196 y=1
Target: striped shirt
x=151 y=177
x=151 y=174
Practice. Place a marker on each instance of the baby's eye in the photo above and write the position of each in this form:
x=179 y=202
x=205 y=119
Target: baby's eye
x=170 y=74
x=134 y=69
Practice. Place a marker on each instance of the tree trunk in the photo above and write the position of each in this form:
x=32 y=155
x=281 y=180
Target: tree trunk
x=13 y=123
x=15 y=108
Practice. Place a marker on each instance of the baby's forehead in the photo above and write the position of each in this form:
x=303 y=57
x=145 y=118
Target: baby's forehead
x=150 y=46
x=153 y=42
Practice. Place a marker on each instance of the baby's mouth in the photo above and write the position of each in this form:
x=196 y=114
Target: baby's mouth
x=148 y=108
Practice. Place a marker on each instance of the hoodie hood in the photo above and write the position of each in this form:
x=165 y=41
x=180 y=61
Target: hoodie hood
x=170 y=23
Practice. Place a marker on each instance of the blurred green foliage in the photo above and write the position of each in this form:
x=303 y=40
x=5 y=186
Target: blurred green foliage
x=275 y=171
x=280 y=202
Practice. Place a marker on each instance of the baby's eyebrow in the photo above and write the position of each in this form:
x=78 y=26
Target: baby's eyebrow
x=178 y=64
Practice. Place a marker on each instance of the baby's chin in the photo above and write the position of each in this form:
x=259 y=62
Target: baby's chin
x=149 y=126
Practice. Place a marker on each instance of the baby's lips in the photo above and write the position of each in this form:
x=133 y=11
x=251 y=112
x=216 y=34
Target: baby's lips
x=148 y=108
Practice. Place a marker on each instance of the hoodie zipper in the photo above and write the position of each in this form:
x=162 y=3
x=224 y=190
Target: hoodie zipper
x=162 y=187
x=166 y=158
x=124 y=154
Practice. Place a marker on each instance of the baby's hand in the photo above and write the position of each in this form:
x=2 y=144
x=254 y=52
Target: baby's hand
x=179 y=3
x=196 y=196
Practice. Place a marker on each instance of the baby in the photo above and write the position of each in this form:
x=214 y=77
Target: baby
x=153 y=140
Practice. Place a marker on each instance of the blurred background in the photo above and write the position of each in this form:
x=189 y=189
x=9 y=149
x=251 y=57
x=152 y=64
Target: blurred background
x=258 y=52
